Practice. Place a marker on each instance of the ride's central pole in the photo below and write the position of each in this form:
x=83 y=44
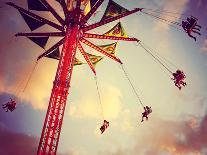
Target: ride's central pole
x=54 y=118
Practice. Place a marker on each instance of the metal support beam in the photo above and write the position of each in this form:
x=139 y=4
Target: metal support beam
x=55 y=14
x=100 y=50
x=98 y=36
x=106 y=21
x=42 y=34
x=86 y=58
x=92 y=11
x=51 y=49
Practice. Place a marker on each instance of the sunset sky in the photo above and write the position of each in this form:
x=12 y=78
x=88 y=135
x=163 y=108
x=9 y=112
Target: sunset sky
x=178 y=123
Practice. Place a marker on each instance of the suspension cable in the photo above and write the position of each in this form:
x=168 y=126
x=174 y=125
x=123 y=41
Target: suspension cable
x=148 y=51
x=160 y=18
x=23 y=88
x=167 y=62
x=168 y=22
x=167 y=12
x=99 y=97
x=30 y=75
x=132 y=86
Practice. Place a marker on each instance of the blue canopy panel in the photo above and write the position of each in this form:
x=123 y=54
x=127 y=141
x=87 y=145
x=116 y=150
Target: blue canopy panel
x=36 y=5
x=32 y=23
x=41 y=41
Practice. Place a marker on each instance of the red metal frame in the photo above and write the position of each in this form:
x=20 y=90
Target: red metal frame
x=98 y=36
x=106 y=21
x=38 y=34
x=86 y=58
x=54 y=117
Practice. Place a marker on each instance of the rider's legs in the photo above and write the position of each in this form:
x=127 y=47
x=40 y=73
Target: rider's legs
x=196 y=32
x=195 y=28
x=192 y=36
x=198 y=26
x=177 y=84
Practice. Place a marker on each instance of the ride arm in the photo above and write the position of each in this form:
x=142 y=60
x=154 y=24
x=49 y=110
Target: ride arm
x=64 y=6
x=86 y=57
x=98 y=36
x=42 y=34
x=91 y=12
x=36 y=16
x=78 y=4
x=100 y=50
x=111 y=19
x=55 y=14
x=51 y=49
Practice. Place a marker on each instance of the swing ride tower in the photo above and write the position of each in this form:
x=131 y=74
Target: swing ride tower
x=54 y=117
x=73 y=29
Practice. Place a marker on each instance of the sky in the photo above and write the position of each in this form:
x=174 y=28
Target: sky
x=178 y=123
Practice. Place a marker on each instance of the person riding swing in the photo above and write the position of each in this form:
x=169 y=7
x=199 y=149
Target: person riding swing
x=193 y=22
x=147 y=111
x=190 y=26
x=9 y=106
x=104 y=126
x=178 y=78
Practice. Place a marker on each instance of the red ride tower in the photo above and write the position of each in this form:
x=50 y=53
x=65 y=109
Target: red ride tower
x=53 y=121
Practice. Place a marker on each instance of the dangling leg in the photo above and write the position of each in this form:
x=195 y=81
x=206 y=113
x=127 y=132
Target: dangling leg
x=192 y=36
x=107 y=124
x=4 y=106
x=178 y=85
x=102 y=129
x=196 y=32
x=198 y=26
x=183 y=83
x=195 y=28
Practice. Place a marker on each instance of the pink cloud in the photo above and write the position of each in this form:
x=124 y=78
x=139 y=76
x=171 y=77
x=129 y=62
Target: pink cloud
x=170 y=137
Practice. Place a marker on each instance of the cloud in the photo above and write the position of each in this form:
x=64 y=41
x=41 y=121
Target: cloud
x=181 y=137
x=88 y=106
x=187 y=137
